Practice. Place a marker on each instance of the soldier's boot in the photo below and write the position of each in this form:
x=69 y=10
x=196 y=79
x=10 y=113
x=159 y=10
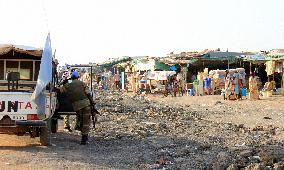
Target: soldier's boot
x=84 y=140
x=78 y=124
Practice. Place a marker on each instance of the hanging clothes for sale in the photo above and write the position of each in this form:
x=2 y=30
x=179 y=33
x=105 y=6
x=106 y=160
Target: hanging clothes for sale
x=270 y=67
x=162 y=75
x=200 y=85
x=253 y=88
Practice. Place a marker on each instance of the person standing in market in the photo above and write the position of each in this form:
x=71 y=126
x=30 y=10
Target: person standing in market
x=212 y=87
x=80 y=97
x=180 y=83
x=133 y=82
x=253 y=87
x=117 y=81
x=174 y=85
x=207 y=85
x=200 y=84
x=236 y=77
x=227 y=85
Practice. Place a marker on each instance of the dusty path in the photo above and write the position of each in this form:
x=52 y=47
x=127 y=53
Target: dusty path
x=264 y=112
x=162 y=133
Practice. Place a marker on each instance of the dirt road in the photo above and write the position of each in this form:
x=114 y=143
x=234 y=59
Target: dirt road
x=136 y=132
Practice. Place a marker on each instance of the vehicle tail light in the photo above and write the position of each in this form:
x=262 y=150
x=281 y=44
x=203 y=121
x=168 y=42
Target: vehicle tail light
x=32 y=117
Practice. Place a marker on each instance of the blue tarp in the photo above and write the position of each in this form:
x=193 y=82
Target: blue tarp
x=173 y=68
x=255 y=57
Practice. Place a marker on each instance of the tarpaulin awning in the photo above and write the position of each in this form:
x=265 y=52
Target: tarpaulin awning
x=114 y=62
x=218 y=55
x=255 y=57
x=162 y=66
x=276 y=55
x=191 y=61
x=144 y=64
x=173 y=68
x=160 y=75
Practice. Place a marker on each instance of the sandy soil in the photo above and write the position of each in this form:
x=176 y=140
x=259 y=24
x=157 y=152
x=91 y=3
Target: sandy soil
x=264 y=112
x=155 y=132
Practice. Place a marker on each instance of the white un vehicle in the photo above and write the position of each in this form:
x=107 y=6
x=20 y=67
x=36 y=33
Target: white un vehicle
x=19 y=69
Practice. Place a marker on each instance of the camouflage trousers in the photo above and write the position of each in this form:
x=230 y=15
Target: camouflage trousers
x=67 y=121
x=83 y=120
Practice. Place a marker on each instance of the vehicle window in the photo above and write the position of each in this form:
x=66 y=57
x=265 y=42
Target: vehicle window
x=26 y=70
x=12 y=66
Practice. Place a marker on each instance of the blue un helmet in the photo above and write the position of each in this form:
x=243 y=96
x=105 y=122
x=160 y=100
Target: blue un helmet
x=74 y=75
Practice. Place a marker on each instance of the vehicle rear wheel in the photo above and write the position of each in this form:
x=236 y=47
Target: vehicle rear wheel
x=45 y=134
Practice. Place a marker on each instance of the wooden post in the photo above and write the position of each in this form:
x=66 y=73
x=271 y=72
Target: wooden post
x=33 y=78
x=91 y=78
x=5 y=70
x=122 y=80
x=228 y=64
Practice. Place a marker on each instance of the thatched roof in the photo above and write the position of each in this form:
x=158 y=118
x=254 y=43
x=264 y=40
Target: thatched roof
x=6 y=48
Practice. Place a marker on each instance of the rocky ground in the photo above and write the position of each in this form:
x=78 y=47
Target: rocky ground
x=155 y=132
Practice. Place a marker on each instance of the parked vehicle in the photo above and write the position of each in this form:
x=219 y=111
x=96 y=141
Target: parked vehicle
x=19 y=69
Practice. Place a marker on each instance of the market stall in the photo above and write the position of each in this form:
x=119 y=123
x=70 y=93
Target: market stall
x=274 y=70
x=158 y=79
x=218 y=80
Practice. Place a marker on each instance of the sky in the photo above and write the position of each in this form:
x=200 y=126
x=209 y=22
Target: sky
x=84 y=31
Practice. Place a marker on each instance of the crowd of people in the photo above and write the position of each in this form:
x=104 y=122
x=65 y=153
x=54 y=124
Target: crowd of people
x=233 y=85
x=234 y=88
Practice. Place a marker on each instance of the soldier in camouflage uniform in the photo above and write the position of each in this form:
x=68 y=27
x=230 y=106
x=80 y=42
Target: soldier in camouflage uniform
x=81 y=99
